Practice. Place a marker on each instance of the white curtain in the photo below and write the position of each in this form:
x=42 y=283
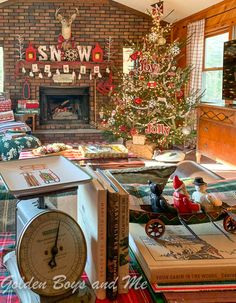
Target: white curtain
x=195 y=49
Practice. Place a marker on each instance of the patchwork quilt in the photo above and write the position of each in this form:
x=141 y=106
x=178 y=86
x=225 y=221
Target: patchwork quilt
x=10 y=148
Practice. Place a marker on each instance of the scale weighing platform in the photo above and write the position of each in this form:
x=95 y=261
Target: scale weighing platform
x=50 y=253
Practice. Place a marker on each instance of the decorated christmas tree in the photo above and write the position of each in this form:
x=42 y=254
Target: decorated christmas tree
x=153 y=99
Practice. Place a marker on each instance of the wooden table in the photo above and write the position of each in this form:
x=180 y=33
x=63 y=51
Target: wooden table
x=25 y=117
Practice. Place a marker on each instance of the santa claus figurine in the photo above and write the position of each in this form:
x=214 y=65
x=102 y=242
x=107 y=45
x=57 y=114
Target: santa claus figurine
x=181 y=198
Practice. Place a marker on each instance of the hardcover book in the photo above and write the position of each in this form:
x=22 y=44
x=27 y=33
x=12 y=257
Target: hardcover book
x=112 y=234
x=92 y=217
x=179 y=257
x=123 y=249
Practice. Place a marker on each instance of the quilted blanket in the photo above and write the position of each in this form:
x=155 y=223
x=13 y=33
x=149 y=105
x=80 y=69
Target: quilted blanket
x=10 y=148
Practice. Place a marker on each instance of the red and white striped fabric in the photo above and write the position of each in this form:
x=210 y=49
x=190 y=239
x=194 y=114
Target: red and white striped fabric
x=14 y=125
x=195 y=49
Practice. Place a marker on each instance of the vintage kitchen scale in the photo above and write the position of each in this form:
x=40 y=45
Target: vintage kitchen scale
x=50 y=252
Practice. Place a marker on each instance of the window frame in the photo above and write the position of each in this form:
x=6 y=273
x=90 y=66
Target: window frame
x=217 y=33
x=208 y=69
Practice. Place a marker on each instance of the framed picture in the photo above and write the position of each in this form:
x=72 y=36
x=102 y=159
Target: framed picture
x=96 y=69
x=47 y=68
x=82 y=69
x=66 y=69
x=35 y=68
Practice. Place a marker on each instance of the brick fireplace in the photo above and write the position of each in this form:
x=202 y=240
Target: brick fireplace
x=68 y=106
x=96 y=21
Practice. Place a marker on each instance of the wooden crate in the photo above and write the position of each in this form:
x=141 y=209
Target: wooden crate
x=143 y=151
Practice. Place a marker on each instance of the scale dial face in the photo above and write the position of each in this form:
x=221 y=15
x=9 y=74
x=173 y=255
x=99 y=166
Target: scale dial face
x=41 y=265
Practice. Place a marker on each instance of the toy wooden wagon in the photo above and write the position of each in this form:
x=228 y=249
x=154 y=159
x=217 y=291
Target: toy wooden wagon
x=155 y=222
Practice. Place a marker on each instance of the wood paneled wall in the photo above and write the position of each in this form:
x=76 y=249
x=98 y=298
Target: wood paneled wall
x=219 y=17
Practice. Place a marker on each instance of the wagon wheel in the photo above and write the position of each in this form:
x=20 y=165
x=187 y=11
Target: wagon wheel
x=229 y=224
x=155 y=228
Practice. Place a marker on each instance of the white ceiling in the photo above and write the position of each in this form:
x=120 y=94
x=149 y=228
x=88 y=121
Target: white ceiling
x=181 y=8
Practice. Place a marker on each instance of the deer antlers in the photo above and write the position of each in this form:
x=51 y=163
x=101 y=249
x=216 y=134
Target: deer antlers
x=66 y=25
x=59 y=17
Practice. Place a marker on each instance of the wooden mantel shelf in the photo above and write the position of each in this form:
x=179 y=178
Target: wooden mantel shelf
x=58 y=64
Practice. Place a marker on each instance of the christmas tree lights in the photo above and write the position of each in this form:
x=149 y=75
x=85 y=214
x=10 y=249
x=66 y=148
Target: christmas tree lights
x=154 y=94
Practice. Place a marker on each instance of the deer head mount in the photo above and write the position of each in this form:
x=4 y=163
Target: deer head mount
x=66 y=23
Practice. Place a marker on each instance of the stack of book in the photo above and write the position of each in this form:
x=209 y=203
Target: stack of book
x=180 y=263
x=103 y=214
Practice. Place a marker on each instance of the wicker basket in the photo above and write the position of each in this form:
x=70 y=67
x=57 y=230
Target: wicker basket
x=144 y=151
x=139 y=139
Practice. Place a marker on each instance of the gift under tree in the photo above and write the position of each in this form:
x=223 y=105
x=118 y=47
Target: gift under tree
x=153 y=99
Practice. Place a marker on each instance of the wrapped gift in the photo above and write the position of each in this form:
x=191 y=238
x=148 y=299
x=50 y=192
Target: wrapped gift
x=21 y=103
x=32 y=104
x=103 y=151
x=28 y=104
x=7 y=116
x=5 y=105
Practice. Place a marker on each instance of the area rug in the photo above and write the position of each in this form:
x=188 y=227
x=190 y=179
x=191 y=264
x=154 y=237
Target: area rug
x=7 y=295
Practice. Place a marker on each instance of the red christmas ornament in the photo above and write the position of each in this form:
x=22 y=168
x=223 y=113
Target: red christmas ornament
x=138 y=100
x=133 y=131
x=30 y=53
x=135 y=55
x=179 y=94
x=152 y=84
x=104 y=122
x=123 y=128
x=97 y=54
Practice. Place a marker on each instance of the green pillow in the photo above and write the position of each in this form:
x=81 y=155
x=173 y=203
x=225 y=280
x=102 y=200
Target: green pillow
x=10 y=148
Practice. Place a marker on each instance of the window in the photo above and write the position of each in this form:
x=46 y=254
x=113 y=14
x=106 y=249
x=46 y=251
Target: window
x=213 y=68
x=128 y=64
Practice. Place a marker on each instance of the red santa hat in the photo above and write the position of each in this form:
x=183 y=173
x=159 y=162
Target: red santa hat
x=177 y=183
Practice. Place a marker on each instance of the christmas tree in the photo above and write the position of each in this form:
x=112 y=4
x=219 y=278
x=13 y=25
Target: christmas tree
x=152 y=100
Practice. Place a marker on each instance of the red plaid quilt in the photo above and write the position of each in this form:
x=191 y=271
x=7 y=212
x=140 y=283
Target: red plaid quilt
x=7 y=242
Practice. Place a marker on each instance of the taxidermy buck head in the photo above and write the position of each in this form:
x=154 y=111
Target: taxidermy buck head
x=66 y=23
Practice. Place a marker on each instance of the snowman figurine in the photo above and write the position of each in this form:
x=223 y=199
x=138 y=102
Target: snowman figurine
x=208 y=201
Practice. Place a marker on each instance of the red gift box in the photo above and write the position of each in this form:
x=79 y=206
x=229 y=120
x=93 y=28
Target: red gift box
x=32 y=104
x=28 y=104
x=5 y=105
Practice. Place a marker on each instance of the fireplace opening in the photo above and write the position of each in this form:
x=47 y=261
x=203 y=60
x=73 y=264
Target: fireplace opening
x=64 y=105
